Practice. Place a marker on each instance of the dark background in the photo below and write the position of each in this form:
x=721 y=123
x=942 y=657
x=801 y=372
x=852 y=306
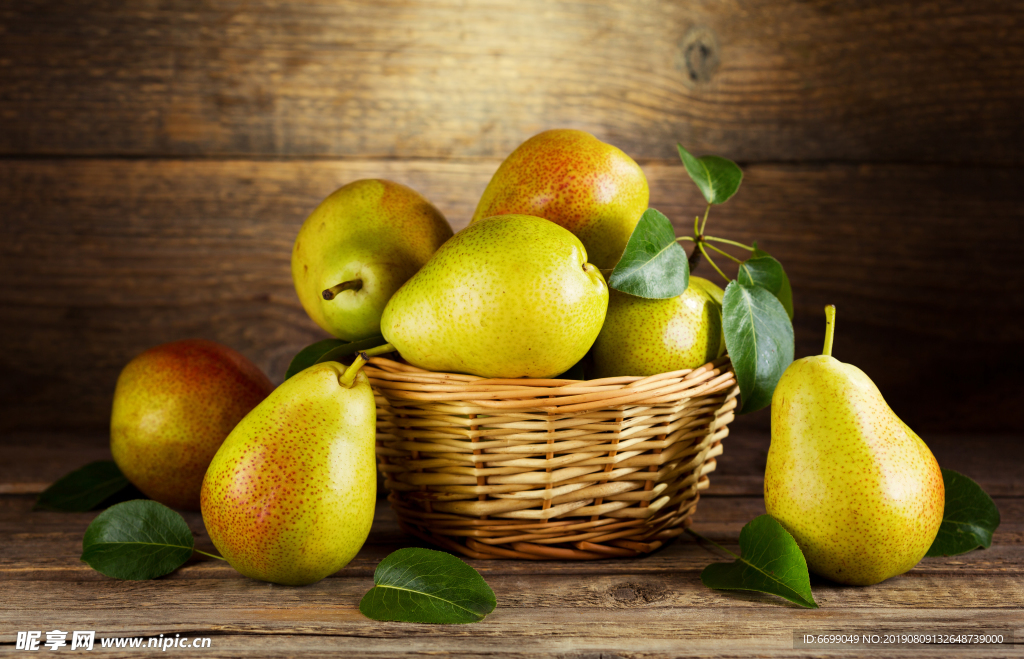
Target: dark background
x=158 y=158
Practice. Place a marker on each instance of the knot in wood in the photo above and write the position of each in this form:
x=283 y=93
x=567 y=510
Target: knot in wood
x=637 y=594
x=698 y=57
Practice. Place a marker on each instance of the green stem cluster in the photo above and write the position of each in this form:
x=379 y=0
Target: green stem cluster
x=702 y=243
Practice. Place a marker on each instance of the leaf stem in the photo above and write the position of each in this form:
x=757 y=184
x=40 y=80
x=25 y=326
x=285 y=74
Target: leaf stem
x=696 y=226
x=830 y=329
x=726 y=254
x=200 y=551
x=728 y=242
x=709 y=540
x=690 y=238
x=700 y=246
x=705 y=222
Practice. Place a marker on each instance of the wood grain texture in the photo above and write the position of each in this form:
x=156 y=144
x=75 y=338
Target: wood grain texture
x=935 y=81
x=102 y=259
x=648 y=607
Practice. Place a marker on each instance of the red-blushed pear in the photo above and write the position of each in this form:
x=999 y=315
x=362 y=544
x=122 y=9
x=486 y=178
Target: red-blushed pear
x=647 y=337
x=289 y=497
x=858 y=490
x=357 y=248
x=577 y=181
x=173 y=406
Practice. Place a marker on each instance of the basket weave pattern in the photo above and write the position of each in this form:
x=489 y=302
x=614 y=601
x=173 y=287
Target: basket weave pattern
x=548 y=469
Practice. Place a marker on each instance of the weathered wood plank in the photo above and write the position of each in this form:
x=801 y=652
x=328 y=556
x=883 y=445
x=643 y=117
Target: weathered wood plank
x=104 y=258
x=765 y=80
x=46 y=546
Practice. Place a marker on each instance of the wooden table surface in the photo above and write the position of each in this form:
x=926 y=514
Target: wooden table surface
x=649 y=607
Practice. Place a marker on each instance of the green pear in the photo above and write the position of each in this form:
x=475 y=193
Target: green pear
x=357 y=248
x=646 y=337
x=858 y=490
x=289 y=497
x=508 y=297
x=718 y=295
x=577 y=181
x=173 y=406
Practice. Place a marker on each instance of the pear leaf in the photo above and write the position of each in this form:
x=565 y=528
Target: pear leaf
x=310 y=354
x=771 y=562
x=766 y=272
x=653 y=265
x=969 y=518
x=425 y=585
x=717 y=178
x=137 y=540
x=759 y=340
x=330 y=350
x=86 y=488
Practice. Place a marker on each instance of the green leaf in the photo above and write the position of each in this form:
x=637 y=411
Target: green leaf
x=84 y=489
x=968 y=520
x=766 y=272
x=771 y=562
x=717 y=178
x=424 y=585
x=137 y=540
x=330 y=350
x=759 y=339
x=653 y=264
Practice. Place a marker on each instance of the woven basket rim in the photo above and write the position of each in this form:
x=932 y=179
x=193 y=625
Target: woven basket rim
x=407 y=382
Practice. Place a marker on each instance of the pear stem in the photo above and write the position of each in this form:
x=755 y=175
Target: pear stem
x=351 y=285
x=349 y=376
x=830 y=329
x=199 y=551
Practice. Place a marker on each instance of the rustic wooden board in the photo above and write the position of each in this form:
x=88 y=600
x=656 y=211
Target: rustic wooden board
x=104 y=258
x=650 y=607
x=755 y=81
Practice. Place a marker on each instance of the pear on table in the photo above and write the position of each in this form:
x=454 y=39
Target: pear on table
x=859 y=491
x=357 y=248
x=173 y=406
x=289 y=497
x=507 y=297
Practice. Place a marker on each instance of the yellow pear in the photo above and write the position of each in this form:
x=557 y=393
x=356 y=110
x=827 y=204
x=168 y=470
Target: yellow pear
x=507 y=297
x=357 y=248
x=646 y=337
x=289 y=497
x=858 y=490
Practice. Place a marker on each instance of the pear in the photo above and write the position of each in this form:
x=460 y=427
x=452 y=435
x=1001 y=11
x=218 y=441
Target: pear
x=574 y=179
x=357 y=248
x=858 y=490
x=509 y=296
x=646 y=337
x=173 y=406
x=289 y=497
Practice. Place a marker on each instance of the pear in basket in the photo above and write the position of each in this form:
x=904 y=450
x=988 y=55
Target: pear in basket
x=647 y=337
x=289 y=497
x=574 y=179
x=507 y=297
x=354 y=251
x=860 y=492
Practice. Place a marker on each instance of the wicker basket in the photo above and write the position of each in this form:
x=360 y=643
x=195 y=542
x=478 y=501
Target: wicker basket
x=548 y=469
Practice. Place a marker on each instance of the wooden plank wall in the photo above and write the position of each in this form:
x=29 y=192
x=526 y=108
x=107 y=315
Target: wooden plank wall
x=157 y=159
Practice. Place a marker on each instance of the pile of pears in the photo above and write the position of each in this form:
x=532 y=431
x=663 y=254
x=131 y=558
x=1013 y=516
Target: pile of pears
x=286 y=477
